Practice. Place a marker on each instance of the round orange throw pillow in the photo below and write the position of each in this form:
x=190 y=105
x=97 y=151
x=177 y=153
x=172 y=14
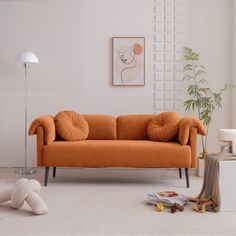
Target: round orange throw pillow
x=71 y=126
x=163 y=127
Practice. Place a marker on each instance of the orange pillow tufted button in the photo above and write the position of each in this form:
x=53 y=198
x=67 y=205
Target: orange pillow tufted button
x=163 y=127
x=71 y=126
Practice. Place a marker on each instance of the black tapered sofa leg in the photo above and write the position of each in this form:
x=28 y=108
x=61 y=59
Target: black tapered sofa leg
x=180 y=173
x=54 y=171
x=46 y=176
x=187 y=177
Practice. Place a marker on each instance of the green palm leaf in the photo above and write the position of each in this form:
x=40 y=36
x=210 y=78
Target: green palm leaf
x=201 y=97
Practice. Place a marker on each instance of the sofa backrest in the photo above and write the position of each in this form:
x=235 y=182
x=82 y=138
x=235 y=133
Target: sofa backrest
x=125 y=127
x=133 y=127
x=101 y=127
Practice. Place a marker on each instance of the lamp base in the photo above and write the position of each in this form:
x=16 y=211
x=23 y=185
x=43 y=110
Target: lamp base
x=25 y=171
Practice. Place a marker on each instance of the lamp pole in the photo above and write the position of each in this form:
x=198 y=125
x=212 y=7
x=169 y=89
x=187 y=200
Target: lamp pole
x=26 y=58
x=26 y=114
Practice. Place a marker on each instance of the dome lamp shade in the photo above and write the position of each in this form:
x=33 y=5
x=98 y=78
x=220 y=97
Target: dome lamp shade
x=26 y=57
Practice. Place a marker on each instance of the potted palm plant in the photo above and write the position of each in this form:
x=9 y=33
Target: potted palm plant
x=202 y=99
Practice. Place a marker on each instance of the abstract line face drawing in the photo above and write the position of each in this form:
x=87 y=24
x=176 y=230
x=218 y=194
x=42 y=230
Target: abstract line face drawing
x=126 y=54
x=128 y=61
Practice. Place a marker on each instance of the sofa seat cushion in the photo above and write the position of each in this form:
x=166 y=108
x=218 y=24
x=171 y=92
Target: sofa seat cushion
x=117 y=153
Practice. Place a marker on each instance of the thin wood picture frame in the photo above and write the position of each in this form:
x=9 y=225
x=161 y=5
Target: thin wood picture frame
x=128 y=61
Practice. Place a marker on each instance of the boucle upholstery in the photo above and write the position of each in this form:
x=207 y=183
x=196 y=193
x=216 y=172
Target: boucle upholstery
x=71 y=126
x=101 y=127
x=117 y=153
x=111 y=143
x=48 y=125
x=186 y=123
x=133 y=127
x=163 y=127
x=24 y=190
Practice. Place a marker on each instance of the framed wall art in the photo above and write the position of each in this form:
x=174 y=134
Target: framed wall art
x=128 y=61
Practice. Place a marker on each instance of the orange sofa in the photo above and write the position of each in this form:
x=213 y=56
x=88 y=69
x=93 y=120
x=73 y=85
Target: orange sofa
x=113 y=142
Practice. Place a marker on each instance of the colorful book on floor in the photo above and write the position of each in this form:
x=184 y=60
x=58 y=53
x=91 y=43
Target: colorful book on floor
x=168 y=198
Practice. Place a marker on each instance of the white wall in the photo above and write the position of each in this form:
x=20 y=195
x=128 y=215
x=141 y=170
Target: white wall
x=234 y=66
x=208 y=30
x=73 y=42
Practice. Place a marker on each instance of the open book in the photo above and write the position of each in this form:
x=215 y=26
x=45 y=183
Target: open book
x=168 y=198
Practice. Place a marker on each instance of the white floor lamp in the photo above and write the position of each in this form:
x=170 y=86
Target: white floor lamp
x=25 y=58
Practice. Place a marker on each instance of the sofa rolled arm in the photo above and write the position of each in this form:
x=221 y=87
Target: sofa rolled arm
x=48 y=126
x=186 y=123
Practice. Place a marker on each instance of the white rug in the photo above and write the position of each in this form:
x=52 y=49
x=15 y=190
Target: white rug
x=111 y=202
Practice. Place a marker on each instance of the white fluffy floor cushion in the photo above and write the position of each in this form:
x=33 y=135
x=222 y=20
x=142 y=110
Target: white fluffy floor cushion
x=24 y=190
